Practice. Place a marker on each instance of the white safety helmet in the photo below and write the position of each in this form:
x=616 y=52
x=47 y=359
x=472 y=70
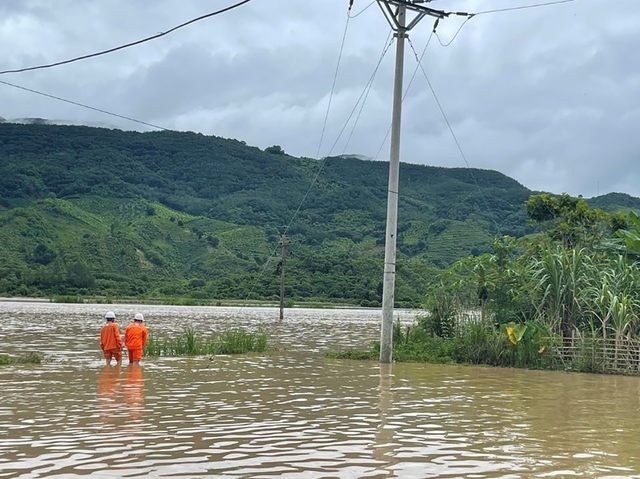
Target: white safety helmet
x=110 y=315
x=139 y=317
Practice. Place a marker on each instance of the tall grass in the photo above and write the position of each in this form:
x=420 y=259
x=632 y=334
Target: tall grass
x=190 y=343
x=237 y=341
x=29 y=358
x=472 y=342
x=570 y=293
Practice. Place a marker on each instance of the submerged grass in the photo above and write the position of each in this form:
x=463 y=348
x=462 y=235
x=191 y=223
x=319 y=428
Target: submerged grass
x=353 y=354
x=189 y=343
x=29 y=358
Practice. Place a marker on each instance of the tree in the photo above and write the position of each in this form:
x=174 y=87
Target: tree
x=569 y=220
x=43 y=255
x=275 y=150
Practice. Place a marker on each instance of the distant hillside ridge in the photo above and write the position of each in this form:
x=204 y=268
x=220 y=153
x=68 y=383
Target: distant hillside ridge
x=114 y=212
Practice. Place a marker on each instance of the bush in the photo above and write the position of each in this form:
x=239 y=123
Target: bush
x=441 y=315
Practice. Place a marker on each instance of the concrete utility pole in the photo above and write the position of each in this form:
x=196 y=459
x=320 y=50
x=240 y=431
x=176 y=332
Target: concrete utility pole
x=283 y=245
x=396 y=13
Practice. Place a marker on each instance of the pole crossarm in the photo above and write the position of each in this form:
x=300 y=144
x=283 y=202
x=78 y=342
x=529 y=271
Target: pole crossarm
x=413 y=5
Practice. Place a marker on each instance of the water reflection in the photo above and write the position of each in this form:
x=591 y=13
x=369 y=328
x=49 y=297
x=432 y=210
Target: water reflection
x=134 y=392
x=384 y=439
x=109 y=394
x=292 y=413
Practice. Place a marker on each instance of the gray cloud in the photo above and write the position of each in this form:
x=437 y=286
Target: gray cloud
x=549 y=96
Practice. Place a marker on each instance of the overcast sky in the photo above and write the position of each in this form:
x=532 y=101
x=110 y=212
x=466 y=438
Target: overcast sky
x=549 y=96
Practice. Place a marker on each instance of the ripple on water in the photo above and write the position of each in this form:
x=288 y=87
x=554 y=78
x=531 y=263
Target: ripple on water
x=293 y=414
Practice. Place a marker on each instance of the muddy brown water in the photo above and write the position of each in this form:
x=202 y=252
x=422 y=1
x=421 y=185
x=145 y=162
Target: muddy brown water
x=293 y=413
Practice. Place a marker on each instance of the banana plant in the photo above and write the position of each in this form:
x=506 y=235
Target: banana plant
x=515 y=332
x=631 y=237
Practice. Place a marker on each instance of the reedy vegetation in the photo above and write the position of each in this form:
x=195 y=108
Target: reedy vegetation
x=190 y=343
x=532 y=298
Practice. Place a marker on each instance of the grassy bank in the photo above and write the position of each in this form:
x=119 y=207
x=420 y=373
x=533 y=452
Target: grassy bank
x=471 y=343
x=528 y=345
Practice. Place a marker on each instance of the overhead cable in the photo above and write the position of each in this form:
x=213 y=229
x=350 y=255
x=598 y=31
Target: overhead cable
x=454 y=136
x=363 y=97
x=83 y=105
x=322 y=161
x=456 y=34
x=485 y=12
x=365 y=94
x=333 y=84
x=127 y=45
x=523 y=7
x=406 y=91
x=363 y=10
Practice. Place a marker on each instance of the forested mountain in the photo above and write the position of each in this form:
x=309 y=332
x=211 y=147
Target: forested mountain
x=96 y=211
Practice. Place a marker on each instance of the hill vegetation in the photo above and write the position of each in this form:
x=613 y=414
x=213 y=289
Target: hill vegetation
x=91 y=211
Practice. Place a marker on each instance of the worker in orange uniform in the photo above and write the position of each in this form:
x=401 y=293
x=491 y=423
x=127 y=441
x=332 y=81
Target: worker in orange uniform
x=135 y=338
x=110 y=340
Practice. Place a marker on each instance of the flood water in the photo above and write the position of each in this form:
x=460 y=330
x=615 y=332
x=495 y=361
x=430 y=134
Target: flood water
x=292 y=413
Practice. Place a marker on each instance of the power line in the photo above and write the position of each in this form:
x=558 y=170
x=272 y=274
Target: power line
x=127 y=45
x=322 y=162
x=366 y=95
x=362 y=11
x=388 y=43
x=523 y=7
x=363 y=96
x=268 y=260
x=485 y=12
x=367 y=87
x=454 y=37
x=84 y=106
x=454 y=136
x=333 y=85
x=406 y=91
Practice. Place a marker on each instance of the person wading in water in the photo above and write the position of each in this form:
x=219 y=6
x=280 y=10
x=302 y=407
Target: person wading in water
x=110 y=340
x=135 y=338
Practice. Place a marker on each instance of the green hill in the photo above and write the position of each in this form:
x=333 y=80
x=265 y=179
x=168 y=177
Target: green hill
x=615 y=202
x=95 y=211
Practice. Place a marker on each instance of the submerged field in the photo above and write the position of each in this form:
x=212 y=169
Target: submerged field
x=289 y=412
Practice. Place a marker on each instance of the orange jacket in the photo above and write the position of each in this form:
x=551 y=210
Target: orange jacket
x=135 y=336
x=110 y=337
